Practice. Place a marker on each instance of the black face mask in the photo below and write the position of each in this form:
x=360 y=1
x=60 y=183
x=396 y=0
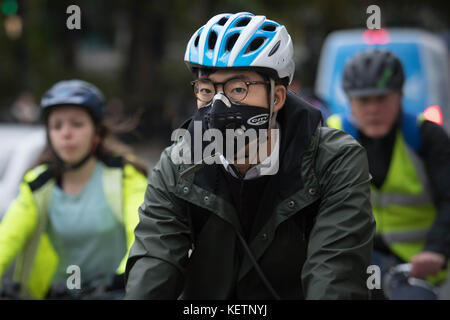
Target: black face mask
x=222 y=114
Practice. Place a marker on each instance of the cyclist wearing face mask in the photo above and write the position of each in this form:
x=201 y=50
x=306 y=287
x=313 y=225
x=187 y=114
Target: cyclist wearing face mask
x=77 y=206
x=291 y=223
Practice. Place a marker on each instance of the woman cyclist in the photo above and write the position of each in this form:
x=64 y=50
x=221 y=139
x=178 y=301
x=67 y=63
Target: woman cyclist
x=78 y=205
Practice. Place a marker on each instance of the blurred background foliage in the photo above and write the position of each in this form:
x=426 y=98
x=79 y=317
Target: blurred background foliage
x=133 y=50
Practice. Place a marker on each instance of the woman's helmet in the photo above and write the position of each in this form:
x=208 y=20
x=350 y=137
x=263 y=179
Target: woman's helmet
x=243 y=40
x=74 y=92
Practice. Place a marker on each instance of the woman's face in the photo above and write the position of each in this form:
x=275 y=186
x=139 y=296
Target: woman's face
x=72 y=132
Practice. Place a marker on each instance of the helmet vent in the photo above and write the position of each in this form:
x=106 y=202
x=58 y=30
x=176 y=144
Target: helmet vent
x=269 y=27
x=231 y=41
x=212 y=40
x=275 y=48
x=243 y=22
x=222 y=21
x=196 y=40
x=255 y=44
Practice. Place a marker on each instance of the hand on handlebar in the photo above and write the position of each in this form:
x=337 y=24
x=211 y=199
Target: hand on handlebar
x=426 y=264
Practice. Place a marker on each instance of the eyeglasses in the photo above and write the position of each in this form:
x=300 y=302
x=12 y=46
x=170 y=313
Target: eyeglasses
x=235 y=89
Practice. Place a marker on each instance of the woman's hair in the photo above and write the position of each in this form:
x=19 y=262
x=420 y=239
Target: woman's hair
x=108 y=146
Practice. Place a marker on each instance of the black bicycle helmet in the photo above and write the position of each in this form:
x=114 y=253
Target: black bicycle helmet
x=373 y=72
x=74 y=92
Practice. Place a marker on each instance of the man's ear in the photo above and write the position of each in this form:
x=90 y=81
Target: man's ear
x=279 y=97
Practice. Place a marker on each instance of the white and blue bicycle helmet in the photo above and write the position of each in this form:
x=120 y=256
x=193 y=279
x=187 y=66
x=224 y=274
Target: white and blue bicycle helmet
x=243 y=40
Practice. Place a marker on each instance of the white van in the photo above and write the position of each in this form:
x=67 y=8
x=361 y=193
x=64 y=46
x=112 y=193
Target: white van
x=20 y=145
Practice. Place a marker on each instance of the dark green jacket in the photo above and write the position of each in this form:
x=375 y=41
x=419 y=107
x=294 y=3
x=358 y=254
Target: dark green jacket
x=312 y=236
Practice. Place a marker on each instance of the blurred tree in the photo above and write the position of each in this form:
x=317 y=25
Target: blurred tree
x=134 y=49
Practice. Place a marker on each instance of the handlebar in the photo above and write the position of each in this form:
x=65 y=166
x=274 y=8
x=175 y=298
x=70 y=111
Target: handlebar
x=10 y=291
x=399 y=274
x=100 y=288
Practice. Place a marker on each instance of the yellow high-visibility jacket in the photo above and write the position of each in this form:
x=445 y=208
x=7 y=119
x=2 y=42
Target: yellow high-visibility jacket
x=403 y=207
x=23 y=230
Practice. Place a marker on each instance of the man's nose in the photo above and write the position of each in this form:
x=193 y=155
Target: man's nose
x=373 y=106
x=219 y=87
x=222 y=97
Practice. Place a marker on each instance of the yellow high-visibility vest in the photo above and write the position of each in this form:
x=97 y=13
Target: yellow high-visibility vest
x=403 y=207
x=23 y=229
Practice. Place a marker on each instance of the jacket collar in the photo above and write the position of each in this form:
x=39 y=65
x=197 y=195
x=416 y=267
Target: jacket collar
x=298 y=121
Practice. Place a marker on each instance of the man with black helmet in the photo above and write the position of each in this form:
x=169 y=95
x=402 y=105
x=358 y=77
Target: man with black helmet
x=409 y=160
x=296 y=224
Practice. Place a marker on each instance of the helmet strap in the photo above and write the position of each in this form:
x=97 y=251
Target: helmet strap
x=272 y=115
x=68 y=167
x=95 y=144
x=65 y=167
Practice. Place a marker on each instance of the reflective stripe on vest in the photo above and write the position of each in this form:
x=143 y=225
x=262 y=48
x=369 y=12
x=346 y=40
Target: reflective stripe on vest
x=398 y=199
x=405 y=236
x=113 y=188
